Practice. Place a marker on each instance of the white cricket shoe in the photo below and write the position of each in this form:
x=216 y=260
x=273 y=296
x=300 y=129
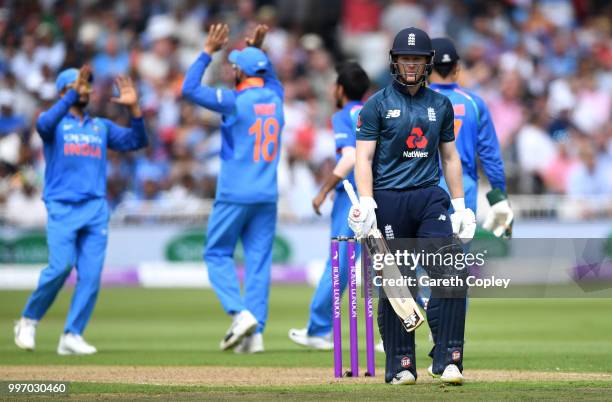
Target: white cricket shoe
x=71 y=344
x=244 y=323
x=380 y=347
x=250 y=344
x=25 y=333
x=301 y=337
x=403 y=378
x=431 y=373
x=452 y=375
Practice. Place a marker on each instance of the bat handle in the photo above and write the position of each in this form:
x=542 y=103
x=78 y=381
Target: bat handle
x=348 y=187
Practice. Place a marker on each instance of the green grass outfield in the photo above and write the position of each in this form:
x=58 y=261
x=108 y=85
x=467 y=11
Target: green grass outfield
x=138 y=327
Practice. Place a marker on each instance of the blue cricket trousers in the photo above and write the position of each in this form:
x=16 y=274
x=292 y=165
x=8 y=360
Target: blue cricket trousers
x=76 y=237
x=255 y=226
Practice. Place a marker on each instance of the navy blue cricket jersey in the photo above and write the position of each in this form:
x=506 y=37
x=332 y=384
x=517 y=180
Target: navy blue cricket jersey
x=408 y=130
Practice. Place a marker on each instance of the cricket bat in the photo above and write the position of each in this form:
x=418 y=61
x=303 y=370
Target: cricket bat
x=400 y=297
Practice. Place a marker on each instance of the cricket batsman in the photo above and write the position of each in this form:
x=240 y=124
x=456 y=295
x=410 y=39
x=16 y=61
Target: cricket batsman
x=404 y=131
x=474 y=137
x=75 y=196
x=351 y=85
x=245 y=203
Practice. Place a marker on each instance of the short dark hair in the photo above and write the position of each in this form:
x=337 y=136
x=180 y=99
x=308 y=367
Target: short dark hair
x=353 y=80
x=444 y=69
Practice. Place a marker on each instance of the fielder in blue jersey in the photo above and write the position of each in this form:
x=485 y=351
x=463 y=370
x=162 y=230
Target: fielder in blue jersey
x=475 y=139
x=245 y=203
x=351 y=85
x=75 y=146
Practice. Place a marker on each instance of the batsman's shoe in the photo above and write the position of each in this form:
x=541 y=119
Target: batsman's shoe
x=452 y=375
x=244 y=323
x=380 y=347
x=71 y=344
x=403 y=378
x=25 y=333
x=301 y=337
x=250 y=344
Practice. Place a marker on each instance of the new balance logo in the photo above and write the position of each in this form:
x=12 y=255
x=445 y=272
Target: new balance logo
x=431 y=114
x=442 y=217
x=411 y=40
x=393 y=113
x=67 y=126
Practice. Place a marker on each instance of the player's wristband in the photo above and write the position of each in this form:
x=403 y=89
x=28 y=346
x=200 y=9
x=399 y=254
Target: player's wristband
x=496 y=195
x=458 y=204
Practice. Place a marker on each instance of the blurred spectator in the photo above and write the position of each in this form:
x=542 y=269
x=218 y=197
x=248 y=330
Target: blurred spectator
x=506 y=109
x=536 y=151
x=24 y=206
x=544 y=68
x=112 y=61
x=401 y=14
x=10 y=122
x=593 y=105
x=592 y=176
x=556 y=173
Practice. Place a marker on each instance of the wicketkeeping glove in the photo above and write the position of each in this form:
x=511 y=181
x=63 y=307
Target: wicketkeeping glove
x=500 y=217
x=463 y=220
x=362 y=217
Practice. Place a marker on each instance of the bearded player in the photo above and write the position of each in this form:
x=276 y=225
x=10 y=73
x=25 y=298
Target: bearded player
x=75 y=146
x=247 y=194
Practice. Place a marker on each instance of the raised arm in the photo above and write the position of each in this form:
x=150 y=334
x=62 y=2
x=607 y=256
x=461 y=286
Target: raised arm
x=216 y=99
x=124 y=138
x=48 y=120
x=270 y=79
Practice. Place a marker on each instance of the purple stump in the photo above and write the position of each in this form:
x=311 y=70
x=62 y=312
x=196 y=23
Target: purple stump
x=354 y=344
x=336 y=307
x=366 y=283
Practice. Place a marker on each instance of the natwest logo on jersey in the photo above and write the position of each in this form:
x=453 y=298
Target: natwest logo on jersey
x=416 y=141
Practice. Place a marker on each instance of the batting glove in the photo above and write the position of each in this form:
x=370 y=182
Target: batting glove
x=362 y=217
x=463 y=220
x=500 y=217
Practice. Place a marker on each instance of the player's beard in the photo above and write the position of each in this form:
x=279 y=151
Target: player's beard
x=338 y=98
x=82 y=104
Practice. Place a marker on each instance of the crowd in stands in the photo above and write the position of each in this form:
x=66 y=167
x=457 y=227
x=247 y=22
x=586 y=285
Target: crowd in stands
x=543 y=67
